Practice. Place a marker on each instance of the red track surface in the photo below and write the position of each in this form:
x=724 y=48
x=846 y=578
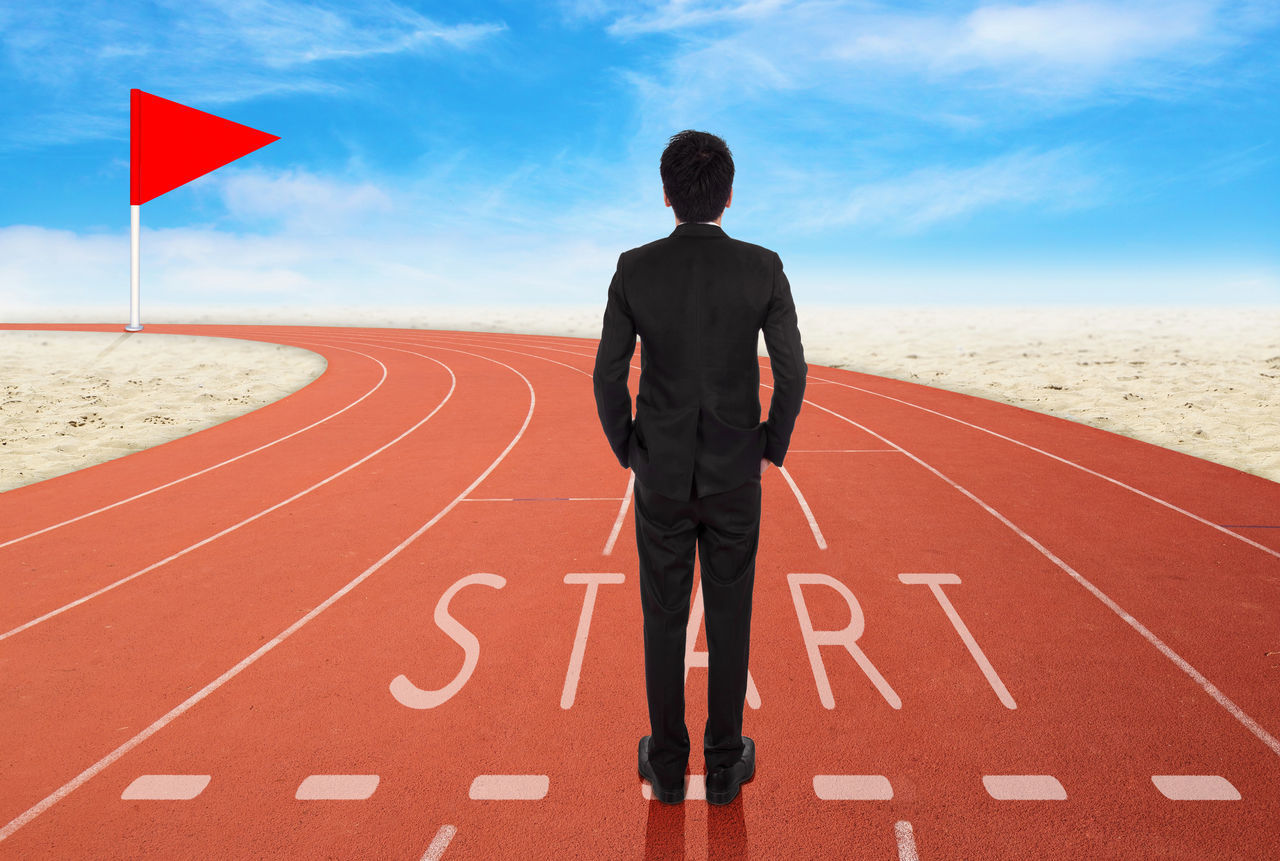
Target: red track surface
x=434 y=506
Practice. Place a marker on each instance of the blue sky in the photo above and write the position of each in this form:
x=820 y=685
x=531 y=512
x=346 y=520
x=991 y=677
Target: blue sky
x=503 y=153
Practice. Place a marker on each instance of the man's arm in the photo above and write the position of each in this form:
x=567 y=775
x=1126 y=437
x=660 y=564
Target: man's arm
x=613 y=367
x=786 y=359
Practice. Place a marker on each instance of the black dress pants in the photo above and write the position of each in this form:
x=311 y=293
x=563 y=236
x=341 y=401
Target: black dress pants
x=725 y=530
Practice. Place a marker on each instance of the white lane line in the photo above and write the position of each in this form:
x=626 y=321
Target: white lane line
x=631 y=476
x=88 y=774
x=836 y=450
x=906 y=841
x=543 y=499
x=1181 y=663
x=1208 y=687
x=695 y=788
x=1024 y=787
x=1071 y=463
x=608 y=549
x=1195 y=787
x=337 y=787
x=183 y=552
x=216 y=465
x=165 y=787
x=509 y=787
x=441 y=842
x=852 y=787
x=804 y=506
x=622 y=512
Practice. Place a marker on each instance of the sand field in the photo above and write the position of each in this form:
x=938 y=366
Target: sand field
x=1204 y=381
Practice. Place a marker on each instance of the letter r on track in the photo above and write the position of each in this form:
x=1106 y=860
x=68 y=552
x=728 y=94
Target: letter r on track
x=847 y=637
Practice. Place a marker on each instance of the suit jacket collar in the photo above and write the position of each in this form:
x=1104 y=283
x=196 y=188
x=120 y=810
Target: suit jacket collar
x=698 y=230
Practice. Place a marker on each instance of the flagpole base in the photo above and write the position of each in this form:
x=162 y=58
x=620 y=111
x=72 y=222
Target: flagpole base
x=131 y=328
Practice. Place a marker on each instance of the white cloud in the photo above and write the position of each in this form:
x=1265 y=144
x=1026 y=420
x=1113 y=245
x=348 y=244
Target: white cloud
x=1083 y=34
x=286 y=33
x=59 y=127
x=299 y=199
x=449 y=239
x=39 y=266
x=1059 y=49
x=1234 y=165
x=1057 y=180
x=201 y=270
x=1156 y=281
x=198 y=267
x=993 y=61
x=211 y=53
x=681 y=14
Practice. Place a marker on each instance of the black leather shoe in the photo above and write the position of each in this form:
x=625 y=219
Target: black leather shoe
x=665 y=794
x=723 y=783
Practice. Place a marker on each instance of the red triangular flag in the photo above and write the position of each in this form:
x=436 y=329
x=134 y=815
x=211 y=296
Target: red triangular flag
x=171 y=144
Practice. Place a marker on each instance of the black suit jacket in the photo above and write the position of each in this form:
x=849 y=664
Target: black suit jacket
x=698 y=299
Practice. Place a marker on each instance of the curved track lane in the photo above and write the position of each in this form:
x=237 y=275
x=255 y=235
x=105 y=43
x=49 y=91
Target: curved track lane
x=396 y=614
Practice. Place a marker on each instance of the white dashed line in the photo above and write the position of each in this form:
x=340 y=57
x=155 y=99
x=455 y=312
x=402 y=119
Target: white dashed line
x=166 y=787
x=89 y=773
x=510 y=787
x=695 y=788
x=1024 y=787
x=337 y=787
x=852 y=787
x=906 y=841
x=1195 y=787
x=441 y=842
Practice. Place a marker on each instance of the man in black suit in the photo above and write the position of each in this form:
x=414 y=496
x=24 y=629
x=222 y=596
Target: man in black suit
x=698 y=300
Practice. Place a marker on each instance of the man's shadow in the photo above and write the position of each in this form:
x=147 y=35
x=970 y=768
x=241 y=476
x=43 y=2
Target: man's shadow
x=726 y=830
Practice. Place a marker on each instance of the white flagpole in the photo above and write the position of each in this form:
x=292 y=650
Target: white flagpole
x=135 y=219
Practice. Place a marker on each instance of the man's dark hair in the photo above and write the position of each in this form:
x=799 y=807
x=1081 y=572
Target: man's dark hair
x=697 y=175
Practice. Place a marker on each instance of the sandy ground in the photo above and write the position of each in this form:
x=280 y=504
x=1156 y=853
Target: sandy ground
x=72 y=399
x=1205 y=381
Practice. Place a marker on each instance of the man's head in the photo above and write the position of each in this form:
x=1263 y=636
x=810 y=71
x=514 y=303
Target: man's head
x=697 y=175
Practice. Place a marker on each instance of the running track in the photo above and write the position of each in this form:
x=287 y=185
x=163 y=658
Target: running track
x=396 y=615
